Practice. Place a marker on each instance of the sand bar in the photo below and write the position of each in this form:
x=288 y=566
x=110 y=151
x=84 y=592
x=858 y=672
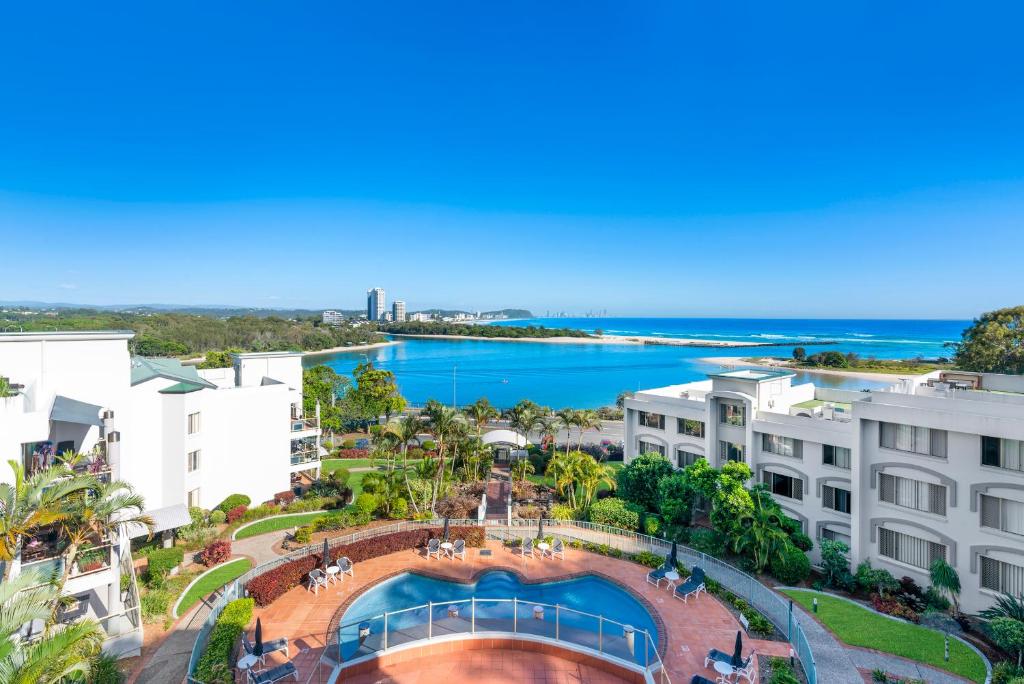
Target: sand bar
x=774 y=364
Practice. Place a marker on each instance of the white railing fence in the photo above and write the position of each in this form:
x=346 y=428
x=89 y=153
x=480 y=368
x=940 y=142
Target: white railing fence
x=770 y=604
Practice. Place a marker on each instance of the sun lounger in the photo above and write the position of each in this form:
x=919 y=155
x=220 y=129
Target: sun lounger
x=274 y=646
x=655 y=576
x=716 y=656
x=274 y=675
x=693 y=585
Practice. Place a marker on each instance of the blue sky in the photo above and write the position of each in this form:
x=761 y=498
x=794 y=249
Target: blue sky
x=818 y=159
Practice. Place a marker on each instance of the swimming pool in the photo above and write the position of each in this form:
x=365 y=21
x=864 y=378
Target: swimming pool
x=588 y=594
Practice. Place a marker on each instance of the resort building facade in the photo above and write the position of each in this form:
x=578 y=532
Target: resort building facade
x=180 y=436
x=931 y=467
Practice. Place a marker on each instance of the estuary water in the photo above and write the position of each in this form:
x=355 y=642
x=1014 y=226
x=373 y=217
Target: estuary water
x=592 y=375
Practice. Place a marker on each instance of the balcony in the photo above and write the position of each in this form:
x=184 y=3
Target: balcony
x=304 y=451
x=45 y=552
x=299 y=424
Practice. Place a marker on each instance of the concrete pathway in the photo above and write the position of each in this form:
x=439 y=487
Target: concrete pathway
x=169 y=664
x=908 y=669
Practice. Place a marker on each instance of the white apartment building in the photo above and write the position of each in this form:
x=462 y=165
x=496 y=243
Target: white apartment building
x=398 y=311
x=376 y=304
x=930 y=467
x=332 y=318
x=421 y=317
x=180 y=436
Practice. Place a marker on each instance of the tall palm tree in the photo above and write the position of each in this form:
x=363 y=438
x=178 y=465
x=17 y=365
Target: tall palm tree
x=442 y=421
x=32 y=502
x=521 y=468
x=93 y=515
x=480 y=413
x=591 y=476
x=586 y=420
x=522 y=418
x=63 y=651
x=761 y=532
x=568 y=418
x=547 y=425
x=405 y=430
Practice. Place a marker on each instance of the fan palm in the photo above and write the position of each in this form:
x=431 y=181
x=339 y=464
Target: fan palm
x=945 y=578
x=586 y=420
x=480 y=413
x=32 y=502
x=63 y=651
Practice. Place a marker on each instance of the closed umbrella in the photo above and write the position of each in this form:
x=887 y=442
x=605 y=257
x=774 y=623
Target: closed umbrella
x=673 y=559
x=257 y=648
x=444 y=532
x=326 y=555
x=540 y=528
x=737 y=654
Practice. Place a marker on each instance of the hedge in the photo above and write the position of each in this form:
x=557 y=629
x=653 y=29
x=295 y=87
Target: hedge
x=273 y=584
x=214 y=666
x=233 y=501
x=235 y=514
x=162 y=561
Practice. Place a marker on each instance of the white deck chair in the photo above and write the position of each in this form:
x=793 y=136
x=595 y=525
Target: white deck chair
x=345 y=567
x=557 y=549
x=459 y=549
x=434 y=548
x=317 y=580
x=527 y=548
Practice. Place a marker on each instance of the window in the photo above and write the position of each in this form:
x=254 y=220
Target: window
x=783 y=446
x=835 y=498
x=826 y=533
x=688 y=426
x=1001 y=576
x=912 y=439
x=907 y=549
x=651 y=420
x=784 y=485
x=908 y=493
x=193 y=461
x=193 y=423
x=1002 y=453
x=835 y=456
x=730 y=451
x=732 y=414
x=651 y=448
x=1002 y=514
x=193 y=498
x=686 y=458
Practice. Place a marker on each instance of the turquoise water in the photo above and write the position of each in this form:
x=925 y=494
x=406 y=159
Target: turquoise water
x=589 y=594
x=590 y=375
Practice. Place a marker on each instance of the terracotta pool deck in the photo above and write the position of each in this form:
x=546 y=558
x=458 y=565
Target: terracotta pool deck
x=690 y=629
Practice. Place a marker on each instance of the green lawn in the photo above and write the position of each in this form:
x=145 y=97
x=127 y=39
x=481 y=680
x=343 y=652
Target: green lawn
x=285 y=522
x=858 y=626
x=329 y=465
x=212 y=581
x=550 y=481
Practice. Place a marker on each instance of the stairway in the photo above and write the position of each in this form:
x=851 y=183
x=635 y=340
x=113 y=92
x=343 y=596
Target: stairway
x=497 y=499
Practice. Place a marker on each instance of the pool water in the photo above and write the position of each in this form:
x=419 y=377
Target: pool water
x=589 y=594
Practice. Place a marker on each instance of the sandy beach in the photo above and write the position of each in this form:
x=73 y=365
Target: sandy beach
x=737 y=362
x=353 y=348
x=602 y=339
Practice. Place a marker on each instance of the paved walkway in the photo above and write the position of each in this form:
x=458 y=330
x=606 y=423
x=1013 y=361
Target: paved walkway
x=908 y=669
x=169 y=664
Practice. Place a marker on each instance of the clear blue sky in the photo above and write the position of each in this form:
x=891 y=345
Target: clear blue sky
x=675 y=158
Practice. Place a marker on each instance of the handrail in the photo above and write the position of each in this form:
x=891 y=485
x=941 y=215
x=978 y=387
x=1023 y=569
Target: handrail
x=763 y=599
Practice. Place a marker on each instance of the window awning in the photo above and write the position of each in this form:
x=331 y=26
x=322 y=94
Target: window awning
x=167 y=518
x=73 y=411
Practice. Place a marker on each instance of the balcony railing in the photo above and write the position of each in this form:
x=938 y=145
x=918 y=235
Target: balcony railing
x=305 y=454
x=50 y=558
x=300 y=424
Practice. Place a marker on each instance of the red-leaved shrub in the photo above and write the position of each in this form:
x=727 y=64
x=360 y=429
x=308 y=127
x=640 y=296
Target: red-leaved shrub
x=351 y=453
x=284 y=498
x=271 y=585
x=891 y=606
x=215 y=553
x=236 y=513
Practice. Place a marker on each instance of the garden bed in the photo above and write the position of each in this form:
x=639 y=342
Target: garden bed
x=207 y=583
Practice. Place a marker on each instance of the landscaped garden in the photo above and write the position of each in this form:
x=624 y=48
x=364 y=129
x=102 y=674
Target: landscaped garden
x=212 y=581
x=858 y=626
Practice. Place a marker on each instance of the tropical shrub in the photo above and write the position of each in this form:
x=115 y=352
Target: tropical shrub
x=234 y=501
x=352 y=453
x=707 y=541
x=154 y=604
x=1009 y=636
x=791 y=567
x=162 y=561
x=891 y=606
x=218 y=517
x=782 y=673
x=104 y=670
x=215 y=553
x=367 y=503
x=303 y=535
x=399 y=509
x=221 y=643
x=835 y=564
x=638 y=481
x=801 y=541
x=284 y=498
x=564 y=512
x=429 y=445
x=875 y=580
x=651 y=560
x=236 y=513
x=348 y=444
x=616 y=512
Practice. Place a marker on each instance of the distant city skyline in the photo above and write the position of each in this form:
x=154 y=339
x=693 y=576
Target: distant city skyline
x=675 y=160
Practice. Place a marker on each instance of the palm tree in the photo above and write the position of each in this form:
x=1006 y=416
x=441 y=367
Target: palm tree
x=521 y=468
x=547 y=425
x=568 y=418
x=586 y=420
x=522 y=417
x=591 y=475
x=761 y=530
x=945 y=578
x=564 y=469
x=32 y=502
x=64 y=651
x=95 y=514
x=480 y=413
x=442 y=421
x=405 y=429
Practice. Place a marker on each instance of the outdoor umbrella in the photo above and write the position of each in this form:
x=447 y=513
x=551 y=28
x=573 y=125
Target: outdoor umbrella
x=540 y=528
x=326 y=555
x=257 y=648
x=673 y=560
x=444 y=533
x=737 y=654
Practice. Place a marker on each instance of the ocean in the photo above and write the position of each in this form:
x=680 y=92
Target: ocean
x=592 y=375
